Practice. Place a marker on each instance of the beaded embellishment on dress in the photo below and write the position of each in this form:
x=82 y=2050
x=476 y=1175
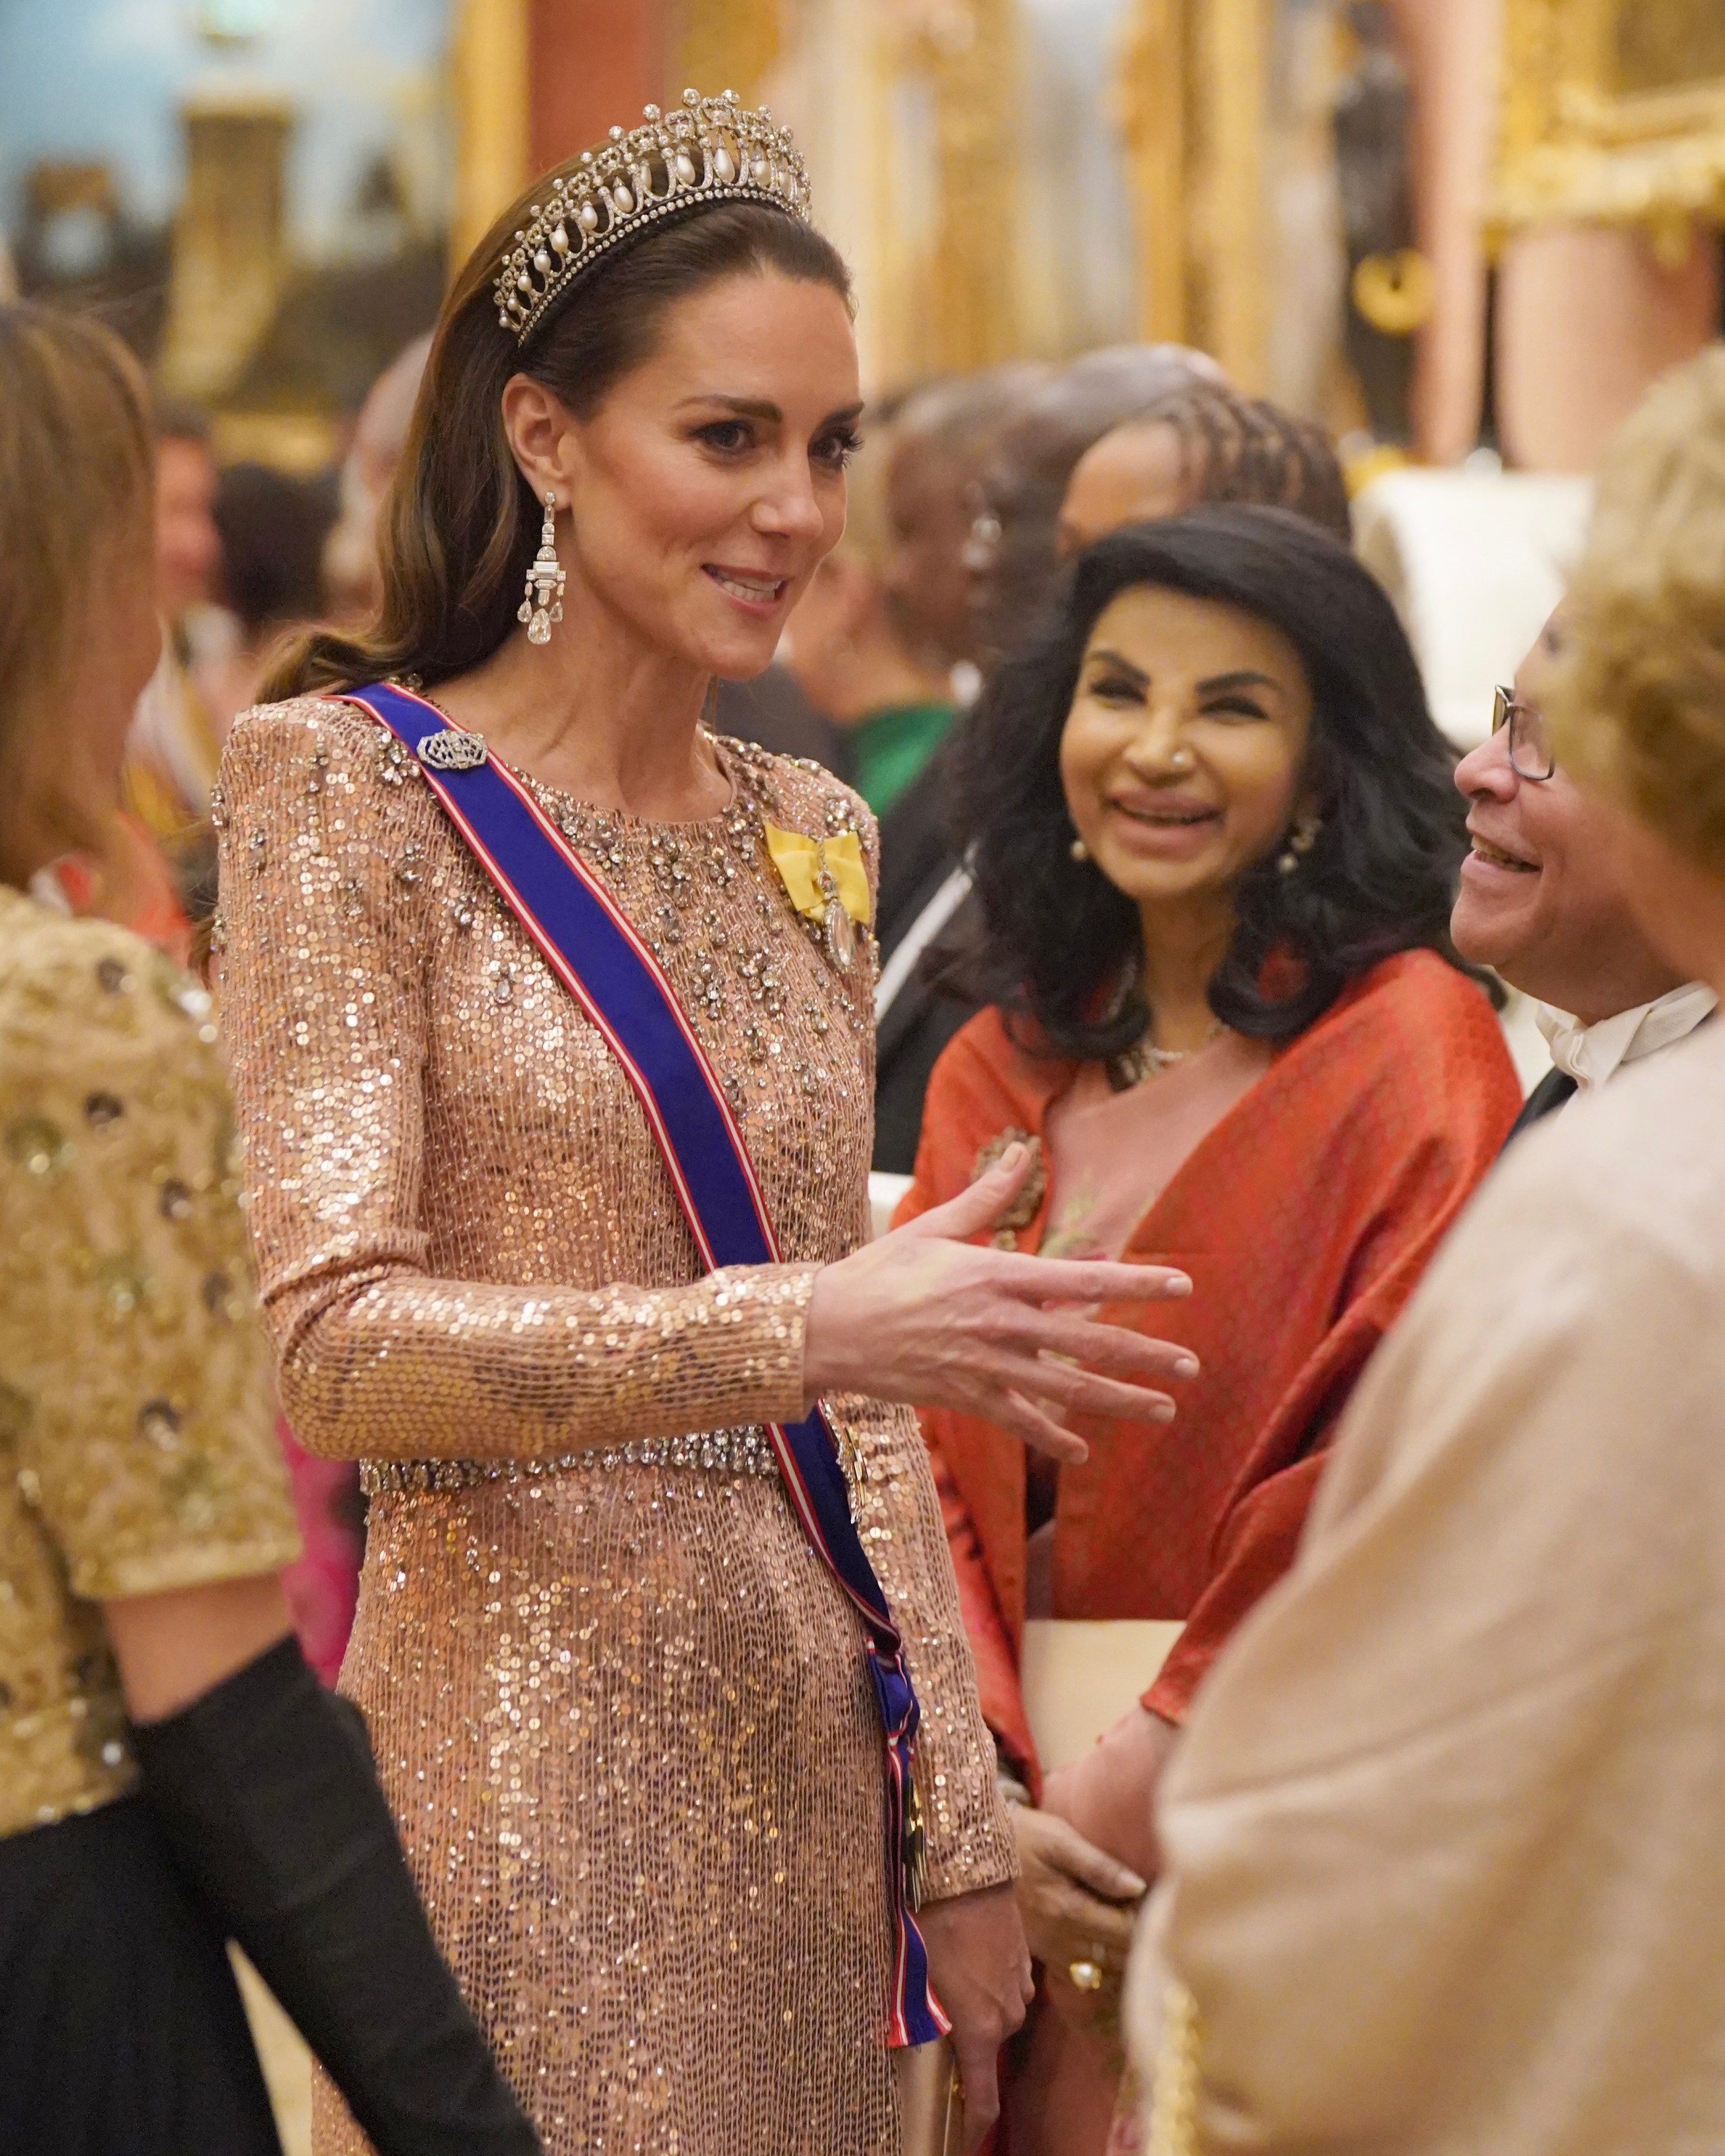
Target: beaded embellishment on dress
x=616 y=1707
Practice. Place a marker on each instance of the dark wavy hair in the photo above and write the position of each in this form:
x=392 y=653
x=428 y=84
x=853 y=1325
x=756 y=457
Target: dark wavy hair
x=1058 y=938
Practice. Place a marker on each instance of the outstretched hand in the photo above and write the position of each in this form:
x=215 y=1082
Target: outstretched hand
x=922 y=1316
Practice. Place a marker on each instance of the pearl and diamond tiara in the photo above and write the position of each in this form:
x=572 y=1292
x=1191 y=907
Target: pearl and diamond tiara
x=708 y=149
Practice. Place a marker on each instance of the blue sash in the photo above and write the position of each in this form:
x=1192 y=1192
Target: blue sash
x=593 y=948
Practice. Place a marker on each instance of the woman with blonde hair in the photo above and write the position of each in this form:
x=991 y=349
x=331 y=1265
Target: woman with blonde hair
x=1444 y=1841
x=170 y=1771
x=553 y=1026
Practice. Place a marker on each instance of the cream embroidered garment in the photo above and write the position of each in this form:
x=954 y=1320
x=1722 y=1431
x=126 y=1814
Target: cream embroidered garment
x=1446 y=1840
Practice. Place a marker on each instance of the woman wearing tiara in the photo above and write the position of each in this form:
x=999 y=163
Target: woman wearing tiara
x=631 y=1687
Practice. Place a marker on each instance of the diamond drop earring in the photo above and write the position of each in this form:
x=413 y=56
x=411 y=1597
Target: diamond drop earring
x=543 y=605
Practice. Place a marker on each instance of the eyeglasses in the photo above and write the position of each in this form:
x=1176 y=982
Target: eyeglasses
x=1530 y=755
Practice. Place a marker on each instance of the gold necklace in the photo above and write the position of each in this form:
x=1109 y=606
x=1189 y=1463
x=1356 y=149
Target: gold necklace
x=1144 y=1060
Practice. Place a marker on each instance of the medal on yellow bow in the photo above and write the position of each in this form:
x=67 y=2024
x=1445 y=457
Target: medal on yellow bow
x=828 y=884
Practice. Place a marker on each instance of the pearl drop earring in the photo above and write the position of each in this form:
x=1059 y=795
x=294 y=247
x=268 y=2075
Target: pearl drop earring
x=1301 y=841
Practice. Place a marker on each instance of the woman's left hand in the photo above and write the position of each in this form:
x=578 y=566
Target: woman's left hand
x=1109 y=1793
x=1078 y=1905
x=979 y=1968
x=1107 y=1796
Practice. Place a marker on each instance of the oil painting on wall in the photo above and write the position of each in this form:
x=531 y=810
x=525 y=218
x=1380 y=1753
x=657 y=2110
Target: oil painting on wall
x=255 y=192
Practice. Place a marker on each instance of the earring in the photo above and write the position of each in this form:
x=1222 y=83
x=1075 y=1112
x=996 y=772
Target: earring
x=1301 y=841
x=544 y=602
x=1079 y=850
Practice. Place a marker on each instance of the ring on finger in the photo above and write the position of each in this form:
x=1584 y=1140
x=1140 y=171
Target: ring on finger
x=1086 y=1974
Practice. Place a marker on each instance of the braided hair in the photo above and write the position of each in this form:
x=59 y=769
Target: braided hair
x=1243 y=448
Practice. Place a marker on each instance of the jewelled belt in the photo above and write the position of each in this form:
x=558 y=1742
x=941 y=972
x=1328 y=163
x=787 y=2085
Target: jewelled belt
x=744 y=1451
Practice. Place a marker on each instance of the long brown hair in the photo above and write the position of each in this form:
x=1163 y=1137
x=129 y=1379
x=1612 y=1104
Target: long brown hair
x=76 y=494
x=461 y=524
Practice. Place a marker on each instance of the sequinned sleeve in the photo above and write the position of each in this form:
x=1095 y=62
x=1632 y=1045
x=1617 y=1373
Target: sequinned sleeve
x=328 y=967
x=134 y=1390
x=969 y=1841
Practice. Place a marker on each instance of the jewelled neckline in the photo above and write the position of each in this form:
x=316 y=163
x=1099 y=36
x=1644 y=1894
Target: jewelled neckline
x=561 y=797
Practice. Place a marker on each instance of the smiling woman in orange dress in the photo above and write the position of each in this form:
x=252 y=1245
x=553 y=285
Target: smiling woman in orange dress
x=1444 y=1847
x=1215 y=837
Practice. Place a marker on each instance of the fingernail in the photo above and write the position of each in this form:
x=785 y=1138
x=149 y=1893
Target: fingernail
x=1187 y=1366
x=1011 y=1157
x=1163 y=1411
x=1179 y=1284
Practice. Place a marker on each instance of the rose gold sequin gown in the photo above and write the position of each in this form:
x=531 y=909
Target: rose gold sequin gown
x=620 y=1709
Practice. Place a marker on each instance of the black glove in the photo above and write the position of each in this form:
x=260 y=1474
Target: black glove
x=267 y=1794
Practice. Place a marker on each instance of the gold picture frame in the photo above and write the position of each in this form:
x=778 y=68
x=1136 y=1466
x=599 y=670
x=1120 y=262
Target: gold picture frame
x=1191 y=100
x=1613 y=112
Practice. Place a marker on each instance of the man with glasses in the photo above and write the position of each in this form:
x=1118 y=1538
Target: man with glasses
x=1542 y=902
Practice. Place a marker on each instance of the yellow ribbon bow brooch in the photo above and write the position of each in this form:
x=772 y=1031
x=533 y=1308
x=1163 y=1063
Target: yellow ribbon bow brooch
x=828 y=884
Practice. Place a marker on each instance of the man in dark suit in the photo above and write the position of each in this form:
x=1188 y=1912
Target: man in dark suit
x=926 y=909
x=943 y=435
x=1543 y=902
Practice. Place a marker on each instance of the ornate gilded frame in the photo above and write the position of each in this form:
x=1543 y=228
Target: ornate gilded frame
x=1576 y=145
x=488 y=80
x=1191 y=100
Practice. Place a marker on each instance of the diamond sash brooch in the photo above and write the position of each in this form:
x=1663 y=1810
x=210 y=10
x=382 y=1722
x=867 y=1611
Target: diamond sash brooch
x=452 y=750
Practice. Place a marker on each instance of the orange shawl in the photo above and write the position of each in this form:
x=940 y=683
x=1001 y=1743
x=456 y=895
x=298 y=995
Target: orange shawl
x=1305 y=1218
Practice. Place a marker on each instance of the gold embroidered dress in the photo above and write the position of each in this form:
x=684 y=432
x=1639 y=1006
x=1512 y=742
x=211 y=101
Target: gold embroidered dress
x=621 y=1709
x=137 y=1445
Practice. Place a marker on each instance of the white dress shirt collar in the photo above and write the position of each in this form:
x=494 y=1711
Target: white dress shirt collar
x=1592 y=1054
